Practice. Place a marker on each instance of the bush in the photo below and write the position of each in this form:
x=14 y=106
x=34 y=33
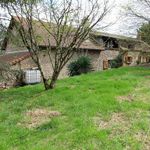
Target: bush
x=80 y=66
x=10 y=76
x=117 y=62
x=138 y=62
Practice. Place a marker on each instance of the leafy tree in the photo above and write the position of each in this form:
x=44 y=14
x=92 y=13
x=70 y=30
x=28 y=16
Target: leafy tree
x=144 y=33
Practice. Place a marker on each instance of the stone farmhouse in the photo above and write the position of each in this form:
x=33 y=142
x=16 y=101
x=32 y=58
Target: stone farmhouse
x=100 y=47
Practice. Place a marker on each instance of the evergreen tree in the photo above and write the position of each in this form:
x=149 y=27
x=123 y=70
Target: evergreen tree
x=144 y=33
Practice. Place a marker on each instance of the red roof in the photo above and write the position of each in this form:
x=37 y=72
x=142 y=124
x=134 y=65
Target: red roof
x=14 y=58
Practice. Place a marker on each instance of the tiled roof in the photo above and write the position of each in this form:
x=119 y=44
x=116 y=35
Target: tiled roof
x=14 y=58
x=119 y=37
x=45 y=38
x=138 y=44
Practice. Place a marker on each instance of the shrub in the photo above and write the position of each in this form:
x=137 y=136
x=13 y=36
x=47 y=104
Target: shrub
x=80 y=66
x=138 y=62
x=117 y=62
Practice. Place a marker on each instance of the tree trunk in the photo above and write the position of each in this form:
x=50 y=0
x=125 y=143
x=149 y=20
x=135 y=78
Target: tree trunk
x=45 y=81
x=54 y=79
x=46 y=85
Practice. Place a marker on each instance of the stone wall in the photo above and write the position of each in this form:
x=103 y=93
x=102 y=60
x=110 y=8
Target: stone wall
x=136 y=57
x=94 y=55
x=97 y=58
x=46 y=64
x=106 y=56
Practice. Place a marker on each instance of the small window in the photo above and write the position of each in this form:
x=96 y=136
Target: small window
x=109 y=44
x=129 y=59
x=140 y=59
x=147 y=59
x=130 y=46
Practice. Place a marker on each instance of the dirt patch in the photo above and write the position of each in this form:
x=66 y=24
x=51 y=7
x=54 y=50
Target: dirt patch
x=128 y=98
x=37 y=117
x=144 y=139
x=147 y=77
x=120 y=125
x=117 y=119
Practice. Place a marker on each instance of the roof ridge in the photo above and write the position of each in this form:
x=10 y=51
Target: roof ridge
x=98 y=33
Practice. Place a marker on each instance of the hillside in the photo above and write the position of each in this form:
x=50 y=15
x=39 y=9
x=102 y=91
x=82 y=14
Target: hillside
x=102 y=110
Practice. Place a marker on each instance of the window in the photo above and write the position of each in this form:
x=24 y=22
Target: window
x=111 y=43
x=130 y=46
x=140 y=59
x=129 y=59
x=147 y=59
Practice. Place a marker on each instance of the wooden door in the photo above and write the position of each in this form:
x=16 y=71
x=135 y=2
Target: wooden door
x=105 y=65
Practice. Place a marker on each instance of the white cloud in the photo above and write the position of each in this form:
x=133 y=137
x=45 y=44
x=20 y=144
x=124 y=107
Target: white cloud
x=118 y=18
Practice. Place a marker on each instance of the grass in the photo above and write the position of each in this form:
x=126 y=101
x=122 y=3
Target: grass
x=79 y=100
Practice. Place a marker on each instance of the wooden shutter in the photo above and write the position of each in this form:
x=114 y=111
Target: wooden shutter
x=105 y=64
x=128 y=59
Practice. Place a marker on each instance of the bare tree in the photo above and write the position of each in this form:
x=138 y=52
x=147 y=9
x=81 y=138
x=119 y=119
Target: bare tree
x=139 y=9
x=67 y=23
x=3 y=27
x=134 y=13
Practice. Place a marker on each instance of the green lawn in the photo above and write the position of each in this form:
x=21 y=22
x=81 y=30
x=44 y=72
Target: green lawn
x=107 y=110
